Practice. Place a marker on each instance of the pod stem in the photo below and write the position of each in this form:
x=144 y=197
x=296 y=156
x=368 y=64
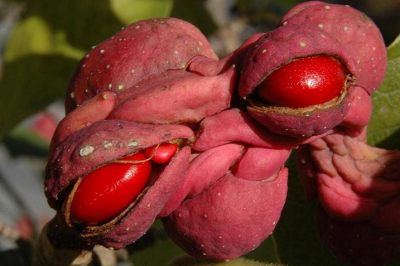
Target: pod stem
x=54 y=248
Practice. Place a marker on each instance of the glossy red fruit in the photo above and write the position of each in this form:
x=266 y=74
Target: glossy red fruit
x=107 y=191
x=304 y=82
x=163 y=153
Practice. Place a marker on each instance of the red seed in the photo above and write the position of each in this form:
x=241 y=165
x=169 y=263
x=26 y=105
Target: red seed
x=163 y=153
x=109 y=190
x=304 y=82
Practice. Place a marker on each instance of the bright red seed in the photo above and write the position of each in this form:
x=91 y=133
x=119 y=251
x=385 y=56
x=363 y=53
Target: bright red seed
x=304 y=82
x=109 y=190
x=164 y=152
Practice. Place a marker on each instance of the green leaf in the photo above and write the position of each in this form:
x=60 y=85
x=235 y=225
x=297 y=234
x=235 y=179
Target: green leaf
x=32 y=35
x=394 y=49
x=267 y=251
x=158 y=248
x=384 y=128
x=129 y=11
x=31 y=83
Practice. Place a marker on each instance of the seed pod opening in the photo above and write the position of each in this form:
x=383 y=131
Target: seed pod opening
x=88 y=153
x=295 y=81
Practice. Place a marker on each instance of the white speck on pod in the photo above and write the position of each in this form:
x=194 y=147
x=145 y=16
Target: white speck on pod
x=120 y=87
x=102 y=51
x=327 y=7
x=137 y=27
x=345 y=28
x=72 y=95
x=284 y=23
x=107 y=145
x=133 y=143
x=264 y=51
x=86 y=150
x=110 y=86
x=108 y=66
x=320 y=25
x=302 y=44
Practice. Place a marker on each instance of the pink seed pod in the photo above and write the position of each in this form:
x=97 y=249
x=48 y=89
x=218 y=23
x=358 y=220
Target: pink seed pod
x=279 y=48
x=233 y=193
x=358 y=187
x=229 y=219
x=101 y=143
x=357 y=34
x=138 y=51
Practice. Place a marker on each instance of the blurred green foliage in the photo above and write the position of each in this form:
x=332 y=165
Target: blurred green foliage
x=47 y=44
x=384 y=128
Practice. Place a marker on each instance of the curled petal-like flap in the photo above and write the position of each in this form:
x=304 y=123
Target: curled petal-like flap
x=359 y=112
x=203 y=171
x=260 y=163
x=186 y=99
x=96 y=109
x=234 y=125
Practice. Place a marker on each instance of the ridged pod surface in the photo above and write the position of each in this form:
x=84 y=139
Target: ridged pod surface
x=358 y=187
